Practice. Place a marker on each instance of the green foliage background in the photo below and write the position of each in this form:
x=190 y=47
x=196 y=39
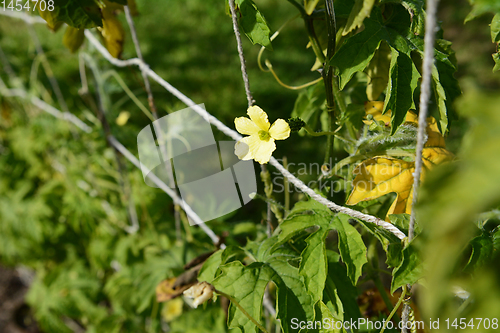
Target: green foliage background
x=62 y=210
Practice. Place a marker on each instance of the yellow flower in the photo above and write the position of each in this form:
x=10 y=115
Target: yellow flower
x=259 y=145
x=172 y=309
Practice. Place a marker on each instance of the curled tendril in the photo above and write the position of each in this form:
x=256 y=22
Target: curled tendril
x=270 y=66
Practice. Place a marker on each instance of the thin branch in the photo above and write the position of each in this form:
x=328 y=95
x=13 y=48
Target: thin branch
x=147 y=84
x=250 y=99
x=48 y=70
x=177 y=200
x=425 y=94
x=328 y=78
x=152 y=106
x=123 y=180
x=44 y=106
x=6 y=65
x=240 y=52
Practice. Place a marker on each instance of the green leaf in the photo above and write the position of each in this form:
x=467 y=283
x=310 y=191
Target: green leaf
x=338 y=285
x=358 y=50
x=496 y=58
x=445 y=86
x=416 y=10
x=308 y=104
x=313 y=265
x=495 y=28
x=360 y=11
x=452 y=196
x=293 y=300
x=378 y=72
x=210 y=268
x=480 y=7
x=121 y=2
x=496 y=238
x=440 y=95
x=305 y=214
x=208 y=271
x=402 y=221
x=391 y=244
x=482 y=251
x=81 y=14
x=253 y=23
x=399 y=94
x=310 y=5
x=328 y=320
x=409 y=271
x=351 y=246
x=247 y=285
x=355 y=54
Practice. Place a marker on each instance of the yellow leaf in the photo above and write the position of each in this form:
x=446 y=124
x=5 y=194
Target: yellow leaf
x=310 y=5
x=113 y=33
x=360 y=11
x=122 y=118
x=378 y=71
x=73 y=38
x=435 y=139
x=166 y=290
x=375 y=109
x=435 y=155
x=379 y=176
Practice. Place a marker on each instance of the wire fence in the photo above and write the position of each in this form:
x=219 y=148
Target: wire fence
x=147 y=71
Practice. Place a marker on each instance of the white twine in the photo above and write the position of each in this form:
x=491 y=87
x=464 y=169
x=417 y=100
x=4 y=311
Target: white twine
x=229 y=132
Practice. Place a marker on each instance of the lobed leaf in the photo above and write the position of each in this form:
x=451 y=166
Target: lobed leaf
x=351 y=246
x=313 y=265
x=399 y=94
x=379 y=176
x=360 y=11
x=409 y=271
x=378 y=71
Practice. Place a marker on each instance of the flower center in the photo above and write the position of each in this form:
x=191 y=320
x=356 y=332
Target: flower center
x=264 y=135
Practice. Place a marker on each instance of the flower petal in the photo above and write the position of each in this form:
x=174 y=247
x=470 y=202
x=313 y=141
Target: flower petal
x=246 y=126
x=259 y=117
x=280 y=130
x=262 y=150
x=242 y=147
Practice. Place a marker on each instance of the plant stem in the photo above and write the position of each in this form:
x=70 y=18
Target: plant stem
x=310 y=131
x=398 y=304
x=152 y=106
x=425 y=95
x=328 y=78
x=338 y=97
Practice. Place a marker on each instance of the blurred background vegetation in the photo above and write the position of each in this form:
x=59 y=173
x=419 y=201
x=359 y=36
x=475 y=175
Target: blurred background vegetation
x=63 y=213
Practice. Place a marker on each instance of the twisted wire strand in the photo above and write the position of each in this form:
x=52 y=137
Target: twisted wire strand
x=226 y=130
